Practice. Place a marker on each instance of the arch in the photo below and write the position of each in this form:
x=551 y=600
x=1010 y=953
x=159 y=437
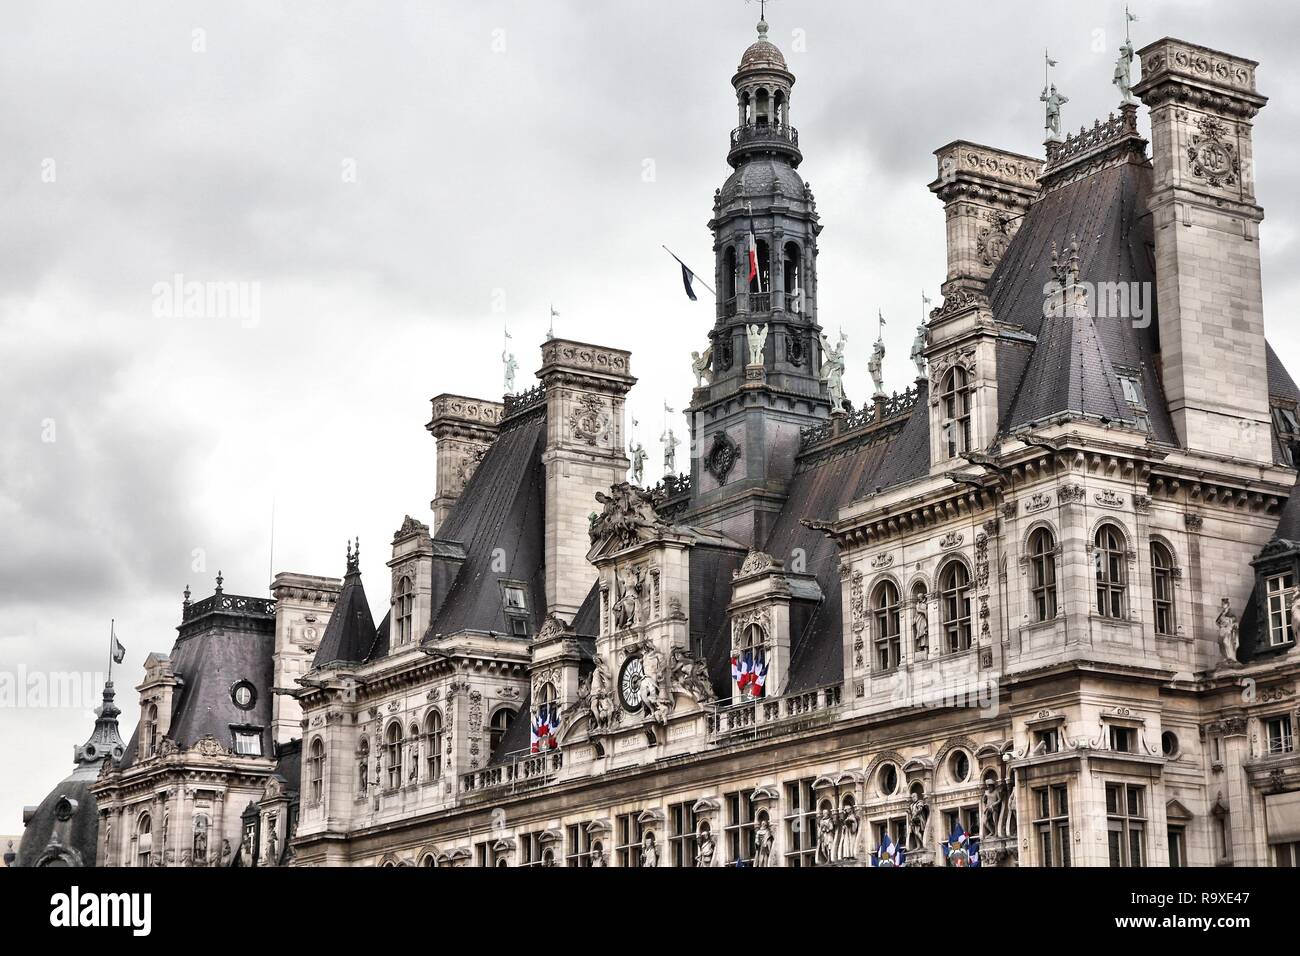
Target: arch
x=149 y=730
x=1110 y=568
x=498 y=723
x=886 y=603
x=955 y=410
x=780 y=109
x=393 y=746
x=955 y=596
x=762 y=107
x=404 y=610
x=791 y=267
x=316 y=771
x=1163 y=574
x=731 y=276
x=763 y=281
x=434 y=742
x=142 y=839
x=1041 y=550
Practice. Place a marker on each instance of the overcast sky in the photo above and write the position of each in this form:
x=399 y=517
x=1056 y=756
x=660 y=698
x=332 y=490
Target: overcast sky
x=400 y=180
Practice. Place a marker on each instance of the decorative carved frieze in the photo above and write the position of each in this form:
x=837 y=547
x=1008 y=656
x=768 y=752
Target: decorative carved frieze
x=1109 y=499
x=1070 y=494
x=1038 y=502
x=952 y=539
x=722 y=457
x=588 y=422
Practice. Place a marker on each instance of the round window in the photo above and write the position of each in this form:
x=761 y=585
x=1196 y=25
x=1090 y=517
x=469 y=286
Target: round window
x=1169 y=743
x=888 y=779
x=960 y=765
x=244 y=695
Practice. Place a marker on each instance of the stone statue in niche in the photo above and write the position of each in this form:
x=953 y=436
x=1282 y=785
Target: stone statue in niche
x=757 y=336
x=1229 y=633
x=706 y=846
x=602 y=695
x=921 y=622
x=701 y=365
x=832 y=370
x=1295 y=615
x=1124 y=74
x=597 y=855
x=918 y=821
x=628 y=604
x=825 y=836
x=226 y=853
x=655 y=698
x=991 y=807
x=763 y=840
x=847 y=842
x=649 y=851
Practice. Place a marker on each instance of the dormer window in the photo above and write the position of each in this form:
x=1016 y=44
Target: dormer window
x=1280 y=589
x=405 y=606
x=955 y=406
x=1131 y=384
x=514 y=599
x=149 y=732
x=1287 y=427
x=248 y=741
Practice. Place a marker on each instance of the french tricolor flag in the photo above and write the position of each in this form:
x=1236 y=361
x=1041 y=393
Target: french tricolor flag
x=753 y=257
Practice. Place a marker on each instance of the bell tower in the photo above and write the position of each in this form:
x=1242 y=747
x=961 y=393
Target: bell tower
x=763 y=382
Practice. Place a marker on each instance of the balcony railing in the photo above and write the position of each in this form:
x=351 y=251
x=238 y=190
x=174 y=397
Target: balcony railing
x=764 y=133
x=522 y=770
x=761 y=302
x=769 y=716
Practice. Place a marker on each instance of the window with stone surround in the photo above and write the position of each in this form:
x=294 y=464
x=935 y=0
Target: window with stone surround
x=1042 y=574
x=149 y=731
x=1052 y=824
x=682 y=842
x=886 y=606
x=405 y=604
x=954 y=603
x=577 y=844
x=739 y=827
x=1126 y=822
x=1162 y=588
x=1280 y=589
x=1177 y=846
x=433 y=744
x=1110 y=562
x=955 y=407
x=393 y=754
x=1286 y=854
x=498 y=724
x=1278 y=731
x=144 y=840
x=316 y=772
x=896 y=827
x=968 y=817
x=629 y=833
x=800 y=823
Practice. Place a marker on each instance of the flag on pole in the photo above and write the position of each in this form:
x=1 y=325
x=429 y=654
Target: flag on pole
x=1050 y=61
x=119 y=652
x=753 y=256
x=889 y=854
x=546 y=728
x=669 y=410
x=687 y=278
x=961 y=850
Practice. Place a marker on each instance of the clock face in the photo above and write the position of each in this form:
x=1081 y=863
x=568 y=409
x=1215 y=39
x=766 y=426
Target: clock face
x=629 y=683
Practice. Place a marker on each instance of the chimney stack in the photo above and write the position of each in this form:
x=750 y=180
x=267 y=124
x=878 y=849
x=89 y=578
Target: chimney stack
x=1208 y=287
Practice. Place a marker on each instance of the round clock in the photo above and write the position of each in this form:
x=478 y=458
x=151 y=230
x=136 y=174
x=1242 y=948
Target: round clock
x=629 y=683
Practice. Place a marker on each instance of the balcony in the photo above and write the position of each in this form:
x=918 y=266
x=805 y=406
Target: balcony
x=768 y=717
x=521 y=771
x=764 y=137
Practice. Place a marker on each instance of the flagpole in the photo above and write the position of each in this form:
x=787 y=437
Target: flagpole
x=693 y=273
x=111 y=648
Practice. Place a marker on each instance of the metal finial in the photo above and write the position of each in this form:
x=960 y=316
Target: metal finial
x=186 y=602
x=220 y=581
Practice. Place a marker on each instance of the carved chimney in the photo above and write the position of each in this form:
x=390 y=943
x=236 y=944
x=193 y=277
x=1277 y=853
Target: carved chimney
x=463 y=429
x=585 y=387
x=1208 y=287
x=985 y=193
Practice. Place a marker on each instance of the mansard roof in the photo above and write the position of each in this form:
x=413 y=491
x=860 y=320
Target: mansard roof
x=499 y=520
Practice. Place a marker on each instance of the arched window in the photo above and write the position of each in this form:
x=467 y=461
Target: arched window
x=730 y=279
x=149 y=732
x=791 y=276
x=762 y=282
x=363 y=767
x=1111 y=567
x=405 y=610
x=144 y=840
x=393 y=742
x=885 y=605
x=428 y=860
x=498 y=726
x=1162 y=588
x=764 y=101
x=954 y=599
x=779 y=113
x=433 y=744
x=316 y=769
x=1042 y=574
x=955 y=404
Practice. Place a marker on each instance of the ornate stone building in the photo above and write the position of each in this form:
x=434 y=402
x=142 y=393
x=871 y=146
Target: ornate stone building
x=1048 y=594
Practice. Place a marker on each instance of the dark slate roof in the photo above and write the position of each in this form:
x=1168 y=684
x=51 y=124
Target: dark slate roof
x=48 y=840
x=350 y=634
x=711 y=570
x=500 y=513
x=1074 y=366
x=587 y=621
x=1288 y=524
x=518 y=736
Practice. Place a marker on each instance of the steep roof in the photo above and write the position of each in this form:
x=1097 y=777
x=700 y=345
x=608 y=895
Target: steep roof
x=350 y=635
x=499 y=519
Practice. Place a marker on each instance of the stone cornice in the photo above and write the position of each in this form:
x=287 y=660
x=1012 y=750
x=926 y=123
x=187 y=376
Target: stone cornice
x=1174 y=71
